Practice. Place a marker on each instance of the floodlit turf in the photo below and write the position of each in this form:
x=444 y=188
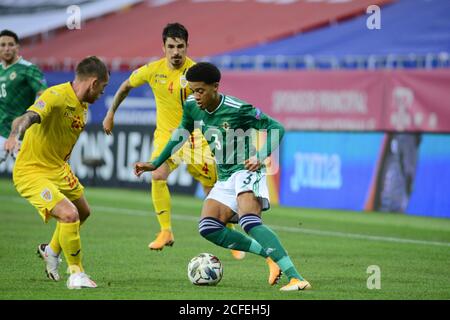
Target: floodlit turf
x=332 y=249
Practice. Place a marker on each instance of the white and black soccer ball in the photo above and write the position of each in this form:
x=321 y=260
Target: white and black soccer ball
x=205 y=269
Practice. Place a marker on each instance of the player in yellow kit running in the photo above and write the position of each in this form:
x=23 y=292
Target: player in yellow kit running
x=166 y=77
x=41 y=173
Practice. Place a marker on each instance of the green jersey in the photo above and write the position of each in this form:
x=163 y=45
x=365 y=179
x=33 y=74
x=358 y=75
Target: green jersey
x=19 y=84
x=230 y=131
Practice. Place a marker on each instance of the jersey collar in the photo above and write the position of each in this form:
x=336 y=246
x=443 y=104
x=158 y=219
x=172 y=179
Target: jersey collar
x=5 y=68
x=220 y=104
x=72 y=93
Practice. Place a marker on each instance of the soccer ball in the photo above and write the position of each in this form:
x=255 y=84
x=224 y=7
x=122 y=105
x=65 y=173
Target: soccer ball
x=205 y=269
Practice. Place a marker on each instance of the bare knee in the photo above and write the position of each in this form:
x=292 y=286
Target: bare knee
x=162 y=173
x=158 y=177
x=66 y=212
x=248 y=203
x=69 y=216
x=216 y=210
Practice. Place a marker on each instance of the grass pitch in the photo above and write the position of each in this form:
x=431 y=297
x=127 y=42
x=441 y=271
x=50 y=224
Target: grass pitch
x=332 y=249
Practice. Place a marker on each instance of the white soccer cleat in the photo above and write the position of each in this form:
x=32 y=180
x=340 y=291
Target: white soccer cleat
x=52 y=262
x=80 y=280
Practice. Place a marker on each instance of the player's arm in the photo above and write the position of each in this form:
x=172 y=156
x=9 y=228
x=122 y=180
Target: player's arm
x=19 y=126
x=140 y=76
x=121 y=94
x=256 y=119
x=36 y=80
x=179 y=137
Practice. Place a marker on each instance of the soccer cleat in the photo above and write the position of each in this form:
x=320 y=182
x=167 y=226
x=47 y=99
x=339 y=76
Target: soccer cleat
x=52 y=262
x=296 y=285
x=238 y=255
x=274 y=272
x=164 y=238
x=80 y=280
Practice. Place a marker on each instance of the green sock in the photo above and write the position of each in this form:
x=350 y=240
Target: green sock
x=236 y=240
x=269 y=240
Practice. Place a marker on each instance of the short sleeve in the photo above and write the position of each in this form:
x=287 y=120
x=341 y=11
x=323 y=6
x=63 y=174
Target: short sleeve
x=141 y=76
x=252 y=117
x=35 y=79
x=46 y=103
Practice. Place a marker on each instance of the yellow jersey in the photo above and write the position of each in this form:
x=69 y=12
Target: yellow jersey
x=48 y=145
x=170 y=89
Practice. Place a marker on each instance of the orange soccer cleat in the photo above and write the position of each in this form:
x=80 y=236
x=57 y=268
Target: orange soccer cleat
x=164 y=238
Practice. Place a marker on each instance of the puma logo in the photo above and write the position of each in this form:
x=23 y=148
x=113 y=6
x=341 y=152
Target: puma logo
x=75 y=254
x=231 y=246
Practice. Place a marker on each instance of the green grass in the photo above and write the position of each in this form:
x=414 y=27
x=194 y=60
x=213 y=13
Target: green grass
x=332 y=249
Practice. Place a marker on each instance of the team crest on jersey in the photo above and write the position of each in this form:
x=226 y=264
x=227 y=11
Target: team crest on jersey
x=183 y=81
x=226 y=125
x=46 y=194
x=13 y=75
x=40 y=104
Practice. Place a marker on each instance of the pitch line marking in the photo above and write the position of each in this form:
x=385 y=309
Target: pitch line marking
x=135 y=212
x=289 y=229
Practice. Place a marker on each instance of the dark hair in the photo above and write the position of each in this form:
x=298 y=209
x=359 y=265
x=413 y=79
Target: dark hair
x=175 y=30
x=9 y=33
x=92 y=67
x=203 y=72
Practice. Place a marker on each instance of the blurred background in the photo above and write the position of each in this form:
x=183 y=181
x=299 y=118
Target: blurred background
x=362 y=86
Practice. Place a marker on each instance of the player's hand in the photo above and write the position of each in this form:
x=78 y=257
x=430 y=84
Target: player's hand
x=141 y=167
x=252 y=164
x=12 y=145
x=108 y=123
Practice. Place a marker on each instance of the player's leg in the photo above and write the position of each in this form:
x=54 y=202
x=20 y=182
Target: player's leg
x=70 y=186
x=44 y=196
x=205 y=174
x=84 y=211
x=238 y=255
x=219 y=207
x=69 y=233
x=202 y=166
x=69 y=238
x=161 y=202
x=252 y=199
x=70 y=210
x=212 y=227
x=50 y=253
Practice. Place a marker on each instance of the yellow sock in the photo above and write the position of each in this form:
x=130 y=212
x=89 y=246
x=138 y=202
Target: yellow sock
x=54 y=243
x=69 y=239
x=161 y=202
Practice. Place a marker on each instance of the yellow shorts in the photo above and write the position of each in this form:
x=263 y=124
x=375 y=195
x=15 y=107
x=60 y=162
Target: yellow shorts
x=44 y=189
x=195 y=153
